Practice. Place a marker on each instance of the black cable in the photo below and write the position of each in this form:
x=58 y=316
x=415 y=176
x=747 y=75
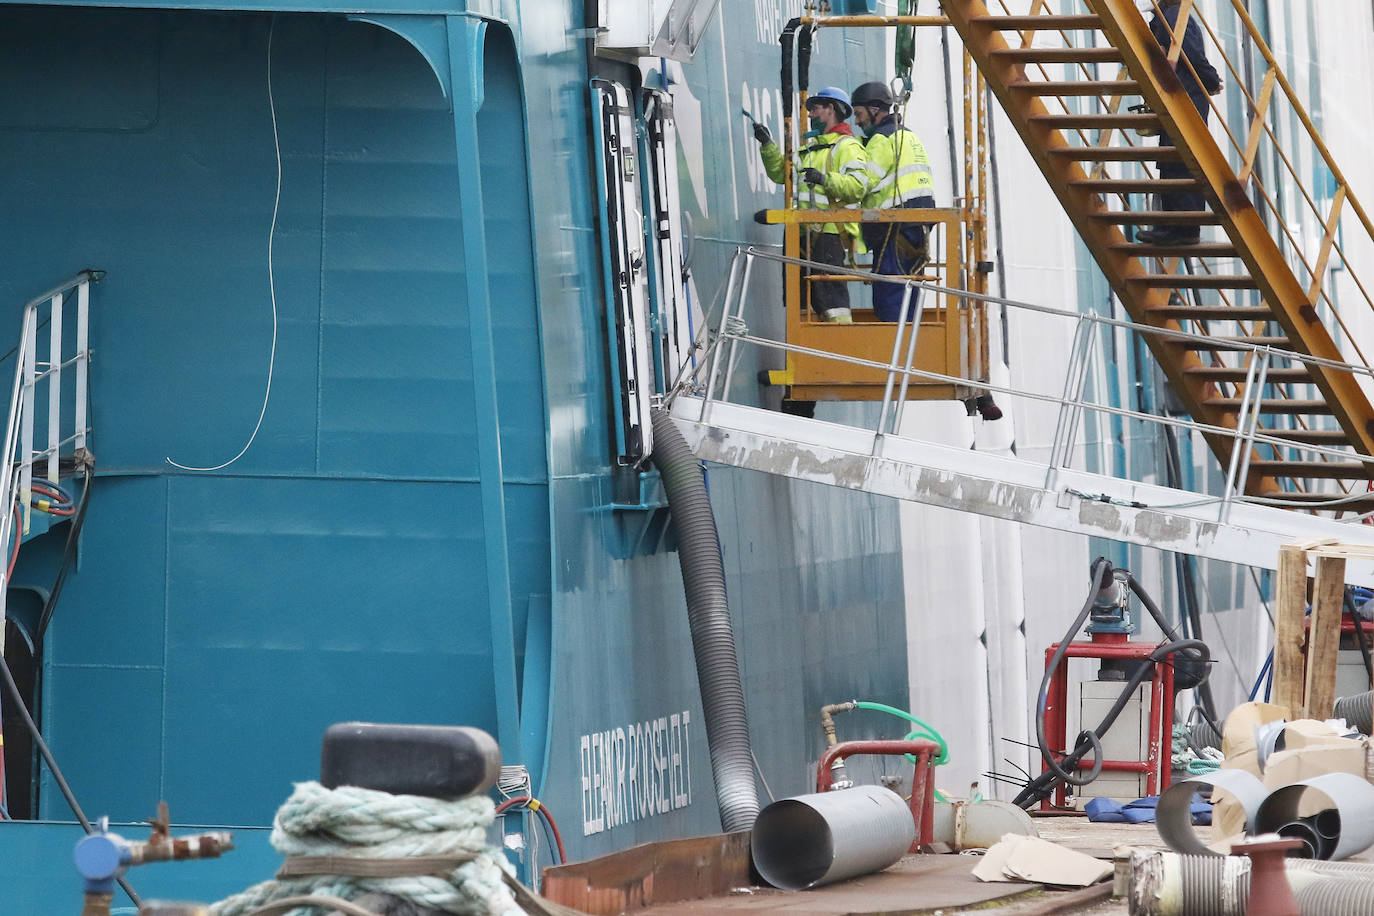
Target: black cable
x=13 y=689
x=1101 y=575
x=1359 y=633
x=68 y=556
x=1204 y=692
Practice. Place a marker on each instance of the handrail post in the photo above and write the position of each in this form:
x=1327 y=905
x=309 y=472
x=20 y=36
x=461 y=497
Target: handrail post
x=739 y=316
x=1247 y=441
x=1059 y=446
x=910 y=357
x=892 y=367
x=83 y=311
x=715 y=346
x=54 y=381
x=1237 y=440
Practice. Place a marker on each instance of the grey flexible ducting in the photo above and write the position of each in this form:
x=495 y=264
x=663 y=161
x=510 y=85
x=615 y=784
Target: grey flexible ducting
x=708 y=613
x=1357 y=711
x=1168 y=884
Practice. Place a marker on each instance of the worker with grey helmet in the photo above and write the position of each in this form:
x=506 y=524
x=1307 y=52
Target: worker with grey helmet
x=899 y=175
x=832 y=173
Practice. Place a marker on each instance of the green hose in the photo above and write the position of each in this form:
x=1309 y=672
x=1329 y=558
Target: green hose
x=922 y=729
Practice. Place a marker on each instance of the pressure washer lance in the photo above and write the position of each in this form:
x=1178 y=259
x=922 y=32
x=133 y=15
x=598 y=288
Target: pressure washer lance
x=103 y=857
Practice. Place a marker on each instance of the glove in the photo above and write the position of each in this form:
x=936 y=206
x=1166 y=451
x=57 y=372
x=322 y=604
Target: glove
x=762 y=134
x=813 y=176
x=1221 y=84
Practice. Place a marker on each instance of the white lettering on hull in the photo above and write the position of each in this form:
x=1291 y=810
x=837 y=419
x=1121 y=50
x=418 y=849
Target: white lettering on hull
x=635 y=772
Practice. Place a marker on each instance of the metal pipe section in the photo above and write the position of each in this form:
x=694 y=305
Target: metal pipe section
x=1169 y=884
x=1173 y=814
x=708 y=613
x=1349 y=797
x=811 y=840
x=1334 y=897
x=1357 y=711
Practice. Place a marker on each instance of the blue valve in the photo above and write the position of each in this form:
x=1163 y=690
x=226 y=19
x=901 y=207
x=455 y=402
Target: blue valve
x=101 y=858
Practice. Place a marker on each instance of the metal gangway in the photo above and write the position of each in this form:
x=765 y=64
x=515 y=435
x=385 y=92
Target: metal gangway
x=720 y=417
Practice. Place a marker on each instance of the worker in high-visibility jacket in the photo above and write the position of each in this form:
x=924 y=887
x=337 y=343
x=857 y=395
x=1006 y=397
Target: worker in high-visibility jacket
x=831 y=173
x=899 y=175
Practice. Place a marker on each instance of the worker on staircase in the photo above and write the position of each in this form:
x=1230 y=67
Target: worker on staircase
x=832 y=173
x=1206 y=82
x=899 y=176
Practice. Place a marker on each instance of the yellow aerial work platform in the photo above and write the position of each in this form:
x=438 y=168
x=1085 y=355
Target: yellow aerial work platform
x=952 y=338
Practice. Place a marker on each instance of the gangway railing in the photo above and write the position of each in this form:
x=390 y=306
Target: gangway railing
x=27 y=447
x=1249 y=448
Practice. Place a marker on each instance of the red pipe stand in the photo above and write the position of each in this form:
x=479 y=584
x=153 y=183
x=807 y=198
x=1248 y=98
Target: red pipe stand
x=1156 y=765
x=922 y=783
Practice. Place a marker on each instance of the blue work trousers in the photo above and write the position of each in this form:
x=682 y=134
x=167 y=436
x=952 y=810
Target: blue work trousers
x=898 y=249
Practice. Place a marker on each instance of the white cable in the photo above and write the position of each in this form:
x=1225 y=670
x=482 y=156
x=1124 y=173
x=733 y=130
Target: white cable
x=271 y=278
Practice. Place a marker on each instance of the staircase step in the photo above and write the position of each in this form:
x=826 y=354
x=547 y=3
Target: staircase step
x=1331 y=470
x=1156 y=217
x=1275 y=405
x=1095 y=121
x=1274 y=376
x=1117 y=153
x=1195 y=281
x=1200 y=250
x=1037 y=23
x=1061 y=88
x=1056 y=55
x=1344 y=503
x=1213 y=312
x=1233 y=343
x=1134 y=185
x=1329 y=438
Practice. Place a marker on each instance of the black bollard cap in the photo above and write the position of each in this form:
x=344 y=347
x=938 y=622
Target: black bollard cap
x=436 y=761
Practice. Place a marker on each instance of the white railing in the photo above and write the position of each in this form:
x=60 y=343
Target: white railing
x=67 y=354
x=713 y=382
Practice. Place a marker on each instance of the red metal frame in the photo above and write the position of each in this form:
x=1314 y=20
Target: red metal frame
x=1156 y=766
x=922 y=783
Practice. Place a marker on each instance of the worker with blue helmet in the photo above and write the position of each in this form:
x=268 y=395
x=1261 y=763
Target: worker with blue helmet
x=833 y=173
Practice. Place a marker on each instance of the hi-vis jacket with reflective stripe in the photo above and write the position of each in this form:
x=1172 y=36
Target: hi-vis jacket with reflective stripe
x=840 y=158
x=898 y=167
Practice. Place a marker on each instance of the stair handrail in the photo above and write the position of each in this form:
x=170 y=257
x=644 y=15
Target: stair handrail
x=732 y=330
x=19 y=454
x=1261 y=111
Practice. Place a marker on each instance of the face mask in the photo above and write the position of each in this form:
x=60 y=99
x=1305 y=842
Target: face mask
x=817 y=125
x=869 y=129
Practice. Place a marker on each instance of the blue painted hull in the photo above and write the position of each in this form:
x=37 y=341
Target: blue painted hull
x=422 y=529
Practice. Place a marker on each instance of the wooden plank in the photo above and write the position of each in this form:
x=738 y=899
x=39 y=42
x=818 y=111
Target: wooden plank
x=1333 y=222
x=1324 y=638
x=1288 y=629
x=1257 y=127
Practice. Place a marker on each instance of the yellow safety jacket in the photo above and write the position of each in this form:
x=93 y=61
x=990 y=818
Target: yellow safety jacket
x=839 y=156
x=898 y=167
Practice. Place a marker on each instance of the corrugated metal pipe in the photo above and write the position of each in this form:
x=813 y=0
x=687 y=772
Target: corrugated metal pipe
x=818 y=839
x=1357 y=711
x=708 y=613
x=1170 y=884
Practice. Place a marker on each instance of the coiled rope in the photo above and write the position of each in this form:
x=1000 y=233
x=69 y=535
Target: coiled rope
x=361 y=829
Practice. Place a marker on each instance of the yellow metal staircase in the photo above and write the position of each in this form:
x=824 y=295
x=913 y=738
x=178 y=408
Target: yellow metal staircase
x=1253 y=282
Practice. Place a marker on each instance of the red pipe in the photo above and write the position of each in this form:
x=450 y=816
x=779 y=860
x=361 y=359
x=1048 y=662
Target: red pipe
x=922 y=783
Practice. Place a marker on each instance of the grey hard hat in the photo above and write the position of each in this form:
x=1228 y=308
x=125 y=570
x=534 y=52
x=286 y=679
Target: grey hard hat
x=874 y=95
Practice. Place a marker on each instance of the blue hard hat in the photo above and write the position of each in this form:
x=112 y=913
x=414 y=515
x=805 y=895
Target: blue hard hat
x=834 y=94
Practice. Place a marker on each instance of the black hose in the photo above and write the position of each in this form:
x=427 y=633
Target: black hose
x=68 y=558
x=786 y=39
x=1204 y=691
x=1359 y=633
x=804 y=58
x=13 y=690
x=1089 y=741
x=708 y=613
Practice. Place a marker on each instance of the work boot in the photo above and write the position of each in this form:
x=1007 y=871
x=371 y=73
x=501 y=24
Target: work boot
x=1165 y=235
x=838 y=316
x=987 y=407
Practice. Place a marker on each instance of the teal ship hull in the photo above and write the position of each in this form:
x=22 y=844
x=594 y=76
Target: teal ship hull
x=432 y=523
